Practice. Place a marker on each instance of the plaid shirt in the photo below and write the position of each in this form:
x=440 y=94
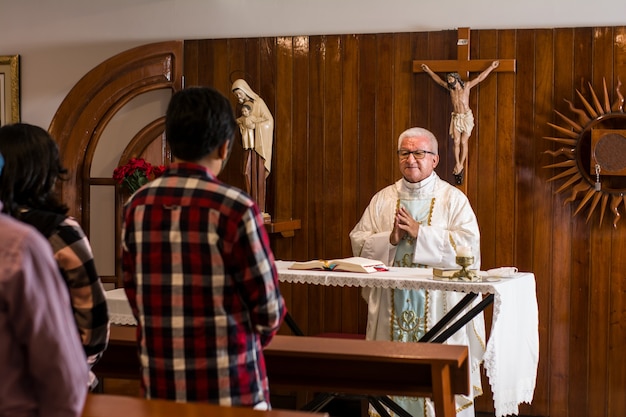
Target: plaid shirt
x=73 y=254
x=202 y=283
x=74 y=257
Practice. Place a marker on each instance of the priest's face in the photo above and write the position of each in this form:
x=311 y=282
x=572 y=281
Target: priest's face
x=416 y=169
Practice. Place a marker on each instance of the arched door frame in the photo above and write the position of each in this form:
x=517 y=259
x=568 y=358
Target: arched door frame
x=93 y=102
x=90 y=106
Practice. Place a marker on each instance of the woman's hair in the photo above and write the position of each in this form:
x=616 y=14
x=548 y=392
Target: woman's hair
x=32 y=167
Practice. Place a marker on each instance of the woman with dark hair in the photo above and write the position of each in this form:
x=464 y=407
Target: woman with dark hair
x=27 y=192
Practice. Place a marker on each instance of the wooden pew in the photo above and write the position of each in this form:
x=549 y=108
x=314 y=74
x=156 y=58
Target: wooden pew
x=100 y=405
x=350 y=366
x=120 y=359
x=353 y=366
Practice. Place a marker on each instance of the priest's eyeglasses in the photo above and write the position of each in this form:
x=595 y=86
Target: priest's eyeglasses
x=418 y=154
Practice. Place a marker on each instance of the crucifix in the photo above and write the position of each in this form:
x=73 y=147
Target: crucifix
x=457 y=82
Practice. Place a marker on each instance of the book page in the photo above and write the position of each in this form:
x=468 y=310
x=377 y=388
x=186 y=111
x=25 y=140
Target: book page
x=353 y=264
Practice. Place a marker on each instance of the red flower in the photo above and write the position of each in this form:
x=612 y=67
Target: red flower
x=136 y=173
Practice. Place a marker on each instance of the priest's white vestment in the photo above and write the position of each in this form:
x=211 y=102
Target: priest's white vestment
x=447 y=221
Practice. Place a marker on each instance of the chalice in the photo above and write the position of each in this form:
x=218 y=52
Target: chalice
x=465 y=274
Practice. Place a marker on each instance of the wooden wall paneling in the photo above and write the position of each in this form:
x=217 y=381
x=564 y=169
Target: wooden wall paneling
x=616 y=379
x=282 y=165
x=600 y=285
x=524 y=120
x=282 y=184
x=332 y=178
x=315 y=163
x=542 y=196
x=267 y=90
x=386 y=144
x=353 y=306
x=191 y=60
x=619 y=57
x=422 y=109
x=300 y=140
x=481 y=175
x=524 y=136
x=368 y=174
x=615 y=402
x=504 y=210
x=283 y=143
x=471 y=177
x=557 y=360
x=217 y=74
x=602 y=58
x=580 y=321
x=600 y=243
x=402 y=94
x=351 y=212
x=482 y=167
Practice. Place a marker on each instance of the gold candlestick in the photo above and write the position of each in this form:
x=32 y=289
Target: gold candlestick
x=465 y=274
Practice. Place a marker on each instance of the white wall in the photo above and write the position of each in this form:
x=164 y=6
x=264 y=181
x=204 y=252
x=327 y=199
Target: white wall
x=61 y=40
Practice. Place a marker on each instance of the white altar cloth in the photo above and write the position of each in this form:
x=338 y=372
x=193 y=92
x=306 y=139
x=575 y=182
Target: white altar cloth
x=512 y=351
x=119 y=309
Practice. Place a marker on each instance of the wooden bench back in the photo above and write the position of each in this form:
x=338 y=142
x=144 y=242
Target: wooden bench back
x=357 y=366
x=100 y=405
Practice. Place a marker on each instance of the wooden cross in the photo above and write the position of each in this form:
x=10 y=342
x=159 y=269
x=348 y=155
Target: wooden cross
x=463 y=64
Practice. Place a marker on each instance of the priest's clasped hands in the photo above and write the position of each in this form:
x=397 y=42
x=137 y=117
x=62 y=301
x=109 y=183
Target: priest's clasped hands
x=404 y=227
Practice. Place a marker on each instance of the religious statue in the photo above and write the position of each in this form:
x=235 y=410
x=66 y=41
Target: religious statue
x=256 y=125
x=462 y=121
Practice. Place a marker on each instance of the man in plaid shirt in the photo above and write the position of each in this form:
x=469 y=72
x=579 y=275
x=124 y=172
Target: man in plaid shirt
x=198 y=269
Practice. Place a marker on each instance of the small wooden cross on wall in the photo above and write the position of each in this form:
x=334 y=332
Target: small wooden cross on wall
x=464 y=66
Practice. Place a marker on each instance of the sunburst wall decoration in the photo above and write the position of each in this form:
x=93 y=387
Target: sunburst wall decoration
x=593 y=158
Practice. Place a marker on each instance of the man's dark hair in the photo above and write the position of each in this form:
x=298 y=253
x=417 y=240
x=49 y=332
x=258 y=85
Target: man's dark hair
x=32 y=168
x=198 y=120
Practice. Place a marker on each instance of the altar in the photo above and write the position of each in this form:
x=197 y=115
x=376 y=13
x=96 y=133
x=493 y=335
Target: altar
x=512 y=351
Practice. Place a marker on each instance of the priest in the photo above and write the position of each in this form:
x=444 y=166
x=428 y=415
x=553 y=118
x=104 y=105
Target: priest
x=420 y=221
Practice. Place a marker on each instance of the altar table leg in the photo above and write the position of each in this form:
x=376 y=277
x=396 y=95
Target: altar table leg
x=448 y=317
x=464 y=320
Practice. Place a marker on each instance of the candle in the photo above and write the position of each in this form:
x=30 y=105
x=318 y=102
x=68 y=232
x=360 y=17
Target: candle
x=464 y=251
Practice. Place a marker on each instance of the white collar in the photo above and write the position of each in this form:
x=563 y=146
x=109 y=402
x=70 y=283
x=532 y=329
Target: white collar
x=422 y=188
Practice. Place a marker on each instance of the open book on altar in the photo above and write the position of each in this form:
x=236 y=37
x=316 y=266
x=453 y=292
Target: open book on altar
x=354 y=264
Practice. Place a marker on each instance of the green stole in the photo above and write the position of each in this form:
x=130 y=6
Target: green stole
x=408 y=316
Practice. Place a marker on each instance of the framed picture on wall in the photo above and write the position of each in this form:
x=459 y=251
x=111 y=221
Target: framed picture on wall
x=9 y=89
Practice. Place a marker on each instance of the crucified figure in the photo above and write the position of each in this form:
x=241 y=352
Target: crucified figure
x=462 y=121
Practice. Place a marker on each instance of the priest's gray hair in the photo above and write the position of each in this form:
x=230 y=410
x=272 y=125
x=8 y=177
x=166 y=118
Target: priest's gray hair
x=415 y=132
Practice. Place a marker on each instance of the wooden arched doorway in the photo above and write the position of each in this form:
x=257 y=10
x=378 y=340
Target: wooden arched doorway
x=86 y=112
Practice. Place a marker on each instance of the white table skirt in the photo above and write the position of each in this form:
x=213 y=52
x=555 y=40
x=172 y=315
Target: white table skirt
x=512 y=352
x=119 y=309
